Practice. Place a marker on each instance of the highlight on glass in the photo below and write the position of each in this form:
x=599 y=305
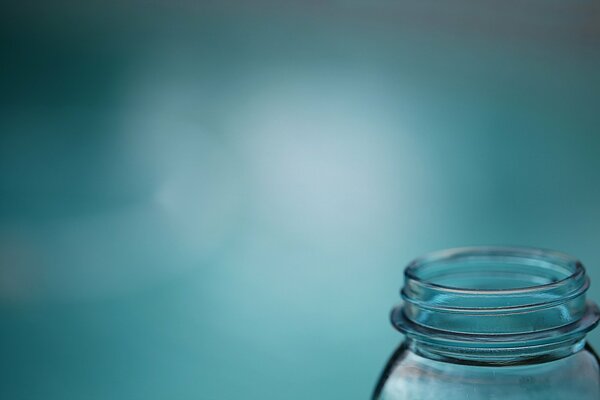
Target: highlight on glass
x=493 y=323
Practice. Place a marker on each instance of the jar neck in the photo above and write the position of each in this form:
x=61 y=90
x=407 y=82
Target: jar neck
x=495 y=306
x=498 y=357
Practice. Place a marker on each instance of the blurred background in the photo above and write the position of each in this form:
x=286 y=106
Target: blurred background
x=216 y=200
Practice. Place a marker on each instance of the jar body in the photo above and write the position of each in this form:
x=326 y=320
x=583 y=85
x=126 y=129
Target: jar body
x=410 y=376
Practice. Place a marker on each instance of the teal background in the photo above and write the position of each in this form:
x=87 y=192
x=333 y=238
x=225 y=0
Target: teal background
x=216 y=201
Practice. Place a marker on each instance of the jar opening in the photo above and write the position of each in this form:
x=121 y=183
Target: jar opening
x=494 y=269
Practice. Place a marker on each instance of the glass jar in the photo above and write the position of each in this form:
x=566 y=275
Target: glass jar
x=493 y=323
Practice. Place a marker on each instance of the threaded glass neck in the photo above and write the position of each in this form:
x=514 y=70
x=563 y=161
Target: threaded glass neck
x=499 y=305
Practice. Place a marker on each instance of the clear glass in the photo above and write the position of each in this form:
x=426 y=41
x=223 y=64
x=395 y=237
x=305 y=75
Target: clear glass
x=493 y=323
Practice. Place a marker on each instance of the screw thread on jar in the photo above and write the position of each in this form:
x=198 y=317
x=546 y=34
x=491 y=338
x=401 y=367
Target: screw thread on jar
x=495 y=305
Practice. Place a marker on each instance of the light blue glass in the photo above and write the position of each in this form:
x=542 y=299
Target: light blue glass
x=493 y=323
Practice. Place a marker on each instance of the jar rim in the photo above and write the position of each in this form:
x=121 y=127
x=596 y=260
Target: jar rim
x=414 y=268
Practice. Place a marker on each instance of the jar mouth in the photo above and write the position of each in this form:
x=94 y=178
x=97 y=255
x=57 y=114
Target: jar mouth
x=494 y=270
x=493 y=278
x=495 y=297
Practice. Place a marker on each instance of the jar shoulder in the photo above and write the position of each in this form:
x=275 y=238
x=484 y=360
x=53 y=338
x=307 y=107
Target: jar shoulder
x=410 y=376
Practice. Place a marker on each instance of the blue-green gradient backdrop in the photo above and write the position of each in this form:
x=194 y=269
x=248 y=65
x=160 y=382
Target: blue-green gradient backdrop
x=216 y=200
